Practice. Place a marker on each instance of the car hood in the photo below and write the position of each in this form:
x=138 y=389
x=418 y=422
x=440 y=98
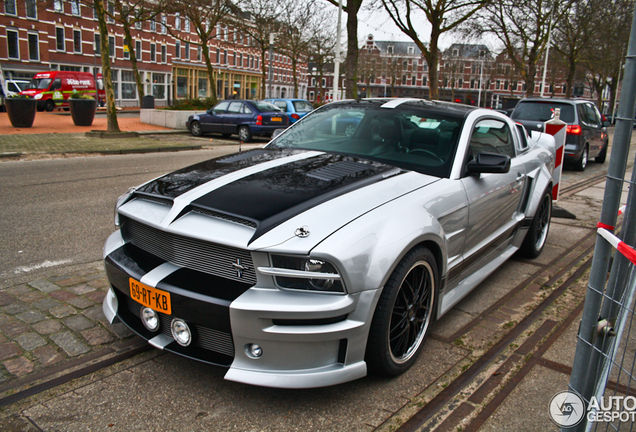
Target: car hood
x=265 y=197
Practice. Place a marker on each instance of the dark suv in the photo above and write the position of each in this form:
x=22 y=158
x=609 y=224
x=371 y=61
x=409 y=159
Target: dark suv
x=586 y=132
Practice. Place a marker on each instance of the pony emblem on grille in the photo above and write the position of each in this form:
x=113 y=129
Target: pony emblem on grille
x=240 y=268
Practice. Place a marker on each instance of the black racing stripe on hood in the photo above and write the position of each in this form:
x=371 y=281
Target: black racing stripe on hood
x=179 y=182
x=275 y=195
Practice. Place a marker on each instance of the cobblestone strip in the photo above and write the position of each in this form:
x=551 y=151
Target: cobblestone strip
x=47 y=321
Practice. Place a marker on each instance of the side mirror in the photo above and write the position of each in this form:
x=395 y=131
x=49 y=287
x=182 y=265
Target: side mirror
x=489 y=163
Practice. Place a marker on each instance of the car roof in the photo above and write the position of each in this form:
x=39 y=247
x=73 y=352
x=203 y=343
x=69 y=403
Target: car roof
x=555 y=100
x=448 y=107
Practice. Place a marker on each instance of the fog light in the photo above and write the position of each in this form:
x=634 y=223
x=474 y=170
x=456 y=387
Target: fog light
x=150 y=319
x=181 y=332
x=254 y=351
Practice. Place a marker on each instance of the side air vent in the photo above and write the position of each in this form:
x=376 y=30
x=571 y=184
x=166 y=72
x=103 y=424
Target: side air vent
x=159 y=200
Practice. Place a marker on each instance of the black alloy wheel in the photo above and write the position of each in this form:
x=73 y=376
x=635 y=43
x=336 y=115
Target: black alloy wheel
x=403 y=315
x=538 y=233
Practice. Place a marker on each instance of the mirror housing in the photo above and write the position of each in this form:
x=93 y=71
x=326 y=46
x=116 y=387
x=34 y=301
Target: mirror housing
x=489 y=163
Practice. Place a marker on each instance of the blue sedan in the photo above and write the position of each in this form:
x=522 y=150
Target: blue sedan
x=294 y=108
x=244 y=118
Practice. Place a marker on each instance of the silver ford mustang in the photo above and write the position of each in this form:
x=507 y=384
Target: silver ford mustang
x=329 y=252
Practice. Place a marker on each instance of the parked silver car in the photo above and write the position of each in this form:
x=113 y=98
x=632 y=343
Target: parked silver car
x=324 y=255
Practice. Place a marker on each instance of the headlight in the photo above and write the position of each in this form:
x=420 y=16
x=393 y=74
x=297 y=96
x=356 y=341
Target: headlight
x=120 y=202
x=305 y=273
x=38 y=96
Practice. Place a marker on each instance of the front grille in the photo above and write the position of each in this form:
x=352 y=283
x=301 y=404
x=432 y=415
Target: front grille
x=204 y=337
x=191 y=253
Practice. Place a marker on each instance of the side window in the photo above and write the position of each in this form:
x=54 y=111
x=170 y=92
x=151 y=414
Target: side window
x=246 y=109
x=235 y=108
x=57 y=84
x=592 y=114
x=492 y=136
x=523 y=136
x=281 y=104
x=583 y=117
x=220 y=108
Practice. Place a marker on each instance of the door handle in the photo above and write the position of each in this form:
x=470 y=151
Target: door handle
x=520 y=177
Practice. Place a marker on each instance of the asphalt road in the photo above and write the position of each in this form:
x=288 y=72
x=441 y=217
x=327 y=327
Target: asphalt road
x=59 y=212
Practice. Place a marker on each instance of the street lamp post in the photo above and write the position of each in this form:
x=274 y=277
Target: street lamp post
x=336 y=69
x=272 y=36
x=481 y=77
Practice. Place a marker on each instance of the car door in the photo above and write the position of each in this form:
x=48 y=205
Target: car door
x=596 y=128
x=233 y=117
x=494 y=200
x=213 y=121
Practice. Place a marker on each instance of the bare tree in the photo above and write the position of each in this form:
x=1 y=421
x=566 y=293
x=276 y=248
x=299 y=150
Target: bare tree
x=295 y=35
x=130 y=13
x=321 y=53
x=261 y=21
x=204 y=15
x=522 y=26
x=450 y=72
x=111 y=110
x=443 y=15
x=352 y=8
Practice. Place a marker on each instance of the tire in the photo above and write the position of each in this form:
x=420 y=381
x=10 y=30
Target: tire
x=244 y=134
x=582 y=162
x=403 y=315
x=49 y=105
x=538 y=233
x=196 y=129
x=602 y=155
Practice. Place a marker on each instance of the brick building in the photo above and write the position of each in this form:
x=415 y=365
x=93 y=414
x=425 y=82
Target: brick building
x=64 y=35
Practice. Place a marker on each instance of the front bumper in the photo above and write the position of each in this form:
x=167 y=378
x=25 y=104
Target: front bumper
x=307 y=339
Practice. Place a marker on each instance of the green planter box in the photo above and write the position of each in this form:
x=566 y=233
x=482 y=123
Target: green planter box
x=21 y=111
x=82 y=111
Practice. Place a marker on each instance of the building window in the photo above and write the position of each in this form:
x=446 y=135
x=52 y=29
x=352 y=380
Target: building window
x=153 y=25
x=75 y=7
x=34 y=49
x=182 y=87
x=423 y=81
x=9 y=7
x=203 y=87
x=199 y=53
x=59 y=38
x=138 y=53
x=177 y=47
x=177 y=21
x=186 y=25
x=410 y=50
x=218 y=56
x=164 y=54
x=111 y=13
x=13 y=44
x=77 y=41
x=159 y=85
x=224 y=56
x=187 y=50
x=97 y=44
x=164 y=23
x=138 y=25
x=57 y=6
x=389 y=49
x=128 y=85
x=111 y=46
x=31 y=9
x=153 y=52
x=324 y=82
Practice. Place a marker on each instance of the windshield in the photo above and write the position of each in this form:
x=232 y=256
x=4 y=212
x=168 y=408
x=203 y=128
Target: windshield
x=40 y=84
x=542 y=111
x=263 y=106
x=408 y=137
x=302 y=106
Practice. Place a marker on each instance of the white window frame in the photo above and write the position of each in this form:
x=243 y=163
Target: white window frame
x=75 y=31
x=37 y=45
x=177 y=49
x=7 y=6
x=34 y=4
x=187 y=51
x=153 y=52
x=57 y=39
x=76 y=8
x=177 y=21
x=57 y=6
x=17 y=38
x=138 y=50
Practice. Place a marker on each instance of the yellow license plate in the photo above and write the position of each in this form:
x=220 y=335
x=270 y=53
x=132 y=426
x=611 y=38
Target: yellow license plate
x=153 y=298
x=277 y=119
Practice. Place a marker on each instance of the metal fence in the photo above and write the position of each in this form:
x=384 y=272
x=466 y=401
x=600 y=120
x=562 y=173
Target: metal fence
x=612 y=405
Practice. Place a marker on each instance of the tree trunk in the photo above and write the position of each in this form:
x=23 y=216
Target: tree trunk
x=111 y=111
x=351 y=63
x=432 y=60
x=133 y=63
x=206 y=55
